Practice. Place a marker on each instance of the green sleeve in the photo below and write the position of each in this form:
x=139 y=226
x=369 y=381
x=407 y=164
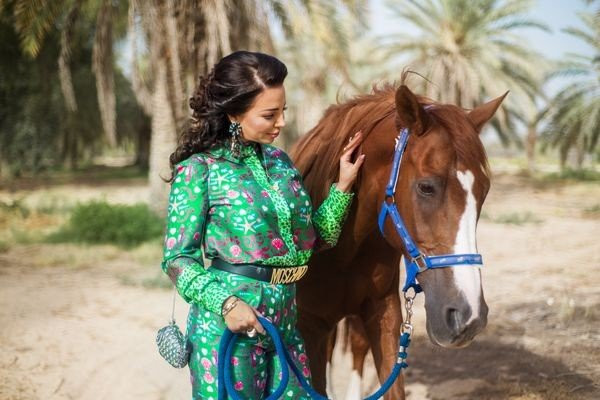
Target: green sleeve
x=182 y=252
x=329 y=218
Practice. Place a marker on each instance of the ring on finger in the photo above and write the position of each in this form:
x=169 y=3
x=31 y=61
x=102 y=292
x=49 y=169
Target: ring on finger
x=251 y=332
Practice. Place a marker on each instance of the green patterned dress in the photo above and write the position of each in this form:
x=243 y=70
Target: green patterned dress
x=247 y=209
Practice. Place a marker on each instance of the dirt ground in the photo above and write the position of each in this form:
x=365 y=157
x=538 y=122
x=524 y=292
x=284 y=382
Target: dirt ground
x=79 y=322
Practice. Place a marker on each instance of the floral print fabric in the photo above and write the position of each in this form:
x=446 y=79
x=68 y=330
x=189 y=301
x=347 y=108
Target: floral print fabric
x=247 y=209
x=255 y=367
x=251 y=209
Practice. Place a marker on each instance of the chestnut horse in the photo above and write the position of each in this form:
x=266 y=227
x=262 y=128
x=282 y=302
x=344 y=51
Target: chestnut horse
x=442 y=184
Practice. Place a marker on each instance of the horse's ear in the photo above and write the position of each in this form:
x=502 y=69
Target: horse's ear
x=483 y=113
x=410 y=114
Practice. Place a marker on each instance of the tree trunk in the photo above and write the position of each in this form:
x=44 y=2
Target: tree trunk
x=580 y=152
x=530 y=146
x=68 y=153
x=102 y=66
x=563 y=154
x=310 y=110
x=163 y=140
x=142 y=156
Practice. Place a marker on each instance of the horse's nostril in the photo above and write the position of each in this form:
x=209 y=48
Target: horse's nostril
x=454 y=320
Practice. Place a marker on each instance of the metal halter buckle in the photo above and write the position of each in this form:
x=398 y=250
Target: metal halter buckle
x=420 y=262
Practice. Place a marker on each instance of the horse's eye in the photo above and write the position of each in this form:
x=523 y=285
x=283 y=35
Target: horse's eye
x=426 y=189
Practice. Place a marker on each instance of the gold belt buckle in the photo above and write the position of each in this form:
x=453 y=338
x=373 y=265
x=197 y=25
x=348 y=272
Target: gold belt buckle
x=288 y=274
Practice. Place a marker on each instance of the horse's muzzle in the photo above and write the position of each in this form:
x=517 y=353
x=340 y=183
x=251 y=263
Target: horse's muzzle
x=462 y=326
x=454 y=325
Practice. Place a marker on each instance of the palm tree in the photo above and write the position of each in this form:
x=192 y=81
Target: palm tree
x=318 y=53
x=34 y=20
x=573 y=115
x=183 y=39
x=472 y=50
x=187 y=38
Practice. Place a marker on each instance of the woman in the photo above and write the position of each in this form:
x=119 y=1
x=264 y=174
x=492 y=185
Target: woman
x=241 y=198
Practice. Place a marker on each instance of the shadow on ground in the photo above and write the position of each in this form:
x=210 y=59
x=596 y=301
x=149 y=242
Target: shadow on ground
x=490 y=369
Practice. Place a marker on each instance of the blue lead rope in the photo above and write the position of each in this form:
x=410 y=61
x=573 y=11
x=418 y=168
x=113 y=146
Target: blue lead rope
x=225 y=380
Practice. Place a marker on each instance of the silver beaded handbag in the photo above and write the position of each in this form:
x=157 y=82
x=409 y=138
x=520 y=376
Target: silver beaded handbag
x=173 y=346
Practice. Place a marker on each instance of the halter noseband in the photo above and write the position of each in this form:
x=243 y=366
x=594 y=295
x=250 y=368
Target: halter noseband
x=419 y=261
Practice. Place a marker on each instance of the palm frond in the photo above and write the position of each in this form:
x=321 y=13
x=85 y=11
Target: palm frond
x=33 y=20
x=471 y=51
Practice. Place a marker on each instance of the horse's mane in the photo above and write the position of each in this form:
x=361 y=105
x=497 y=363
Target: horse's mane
x=321 y=147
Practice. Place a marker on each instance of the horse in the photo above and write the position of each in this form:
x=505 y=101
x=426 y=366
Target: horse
x=443 y=181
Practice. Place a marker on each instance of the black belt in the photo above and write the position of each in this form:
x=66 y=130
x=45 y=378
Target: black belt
x=274 y=275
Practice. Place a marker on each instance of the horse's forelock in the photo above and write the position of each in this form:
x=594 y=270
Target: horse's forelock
x=467 y=144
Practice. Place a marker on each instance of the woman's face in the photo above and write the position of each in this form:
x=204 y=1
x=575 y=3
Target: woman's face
x=264 y=119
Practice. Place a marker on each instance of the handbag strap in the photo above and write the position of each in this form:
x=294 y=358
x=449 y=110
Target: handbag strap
x=173 y=310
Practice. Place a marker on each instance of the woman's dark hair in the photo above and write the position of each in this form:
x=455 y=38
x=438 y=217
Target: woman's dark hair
x=229 y=88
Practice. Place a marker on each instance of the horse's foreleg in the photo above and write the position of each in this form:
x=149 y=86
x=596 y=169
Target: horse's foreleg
x=316 y=335
x=329 y=373
x=382 y=319
x=356 y=339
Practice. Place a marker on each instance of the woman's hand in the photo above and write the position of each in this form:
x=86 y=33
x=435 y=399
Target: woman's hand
x=349 y=170
x=243 y=318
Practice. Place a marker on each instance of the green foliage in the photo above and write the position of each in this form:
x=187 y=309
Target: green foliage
x=592 y=211
x=159 y=281
x=581 y=175
x=37 y=131
x=573 y=116
x=14 y=207
x=517 y=218
x=472 y=51
x=100 y=222
x=24 y=236
x=484 y=216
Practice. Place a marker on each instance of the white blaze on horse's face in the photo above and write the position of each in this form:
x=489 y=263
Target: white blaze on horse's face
x=466 y=277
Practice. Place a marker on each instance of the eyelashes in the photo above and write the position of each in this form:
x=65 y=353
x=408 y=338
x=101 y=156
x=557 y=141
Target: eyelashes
x=271 y=116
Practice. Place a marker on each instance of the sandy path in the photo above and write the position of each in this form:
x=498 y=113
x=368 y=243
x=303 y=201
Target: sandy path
x=78 y=332
x=81 y=334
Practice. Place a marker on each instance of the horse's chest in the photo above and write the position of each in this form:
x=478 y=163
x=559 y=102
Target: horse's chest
x=376 y=281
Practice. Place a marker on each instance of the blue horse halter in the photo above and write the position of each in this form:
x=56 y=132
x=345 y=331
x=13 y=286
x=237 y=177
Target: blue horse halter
x=419 y=261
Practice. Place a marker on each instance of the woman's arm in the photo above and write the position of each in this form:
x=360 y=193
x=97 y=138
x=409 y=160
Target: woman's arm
x=329 y=218
x=186 y=218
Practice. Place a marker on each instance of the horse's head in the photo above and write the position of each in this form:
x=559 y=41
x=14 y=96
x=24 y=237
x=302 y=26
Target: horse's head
x=442 y=185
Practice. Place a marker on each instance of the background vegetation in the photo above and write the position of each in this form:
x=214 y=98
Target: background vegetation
x=89 y=80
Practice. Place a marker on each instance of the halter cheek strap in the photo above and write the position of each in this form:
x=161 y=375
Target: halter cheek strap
x=419 y=261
